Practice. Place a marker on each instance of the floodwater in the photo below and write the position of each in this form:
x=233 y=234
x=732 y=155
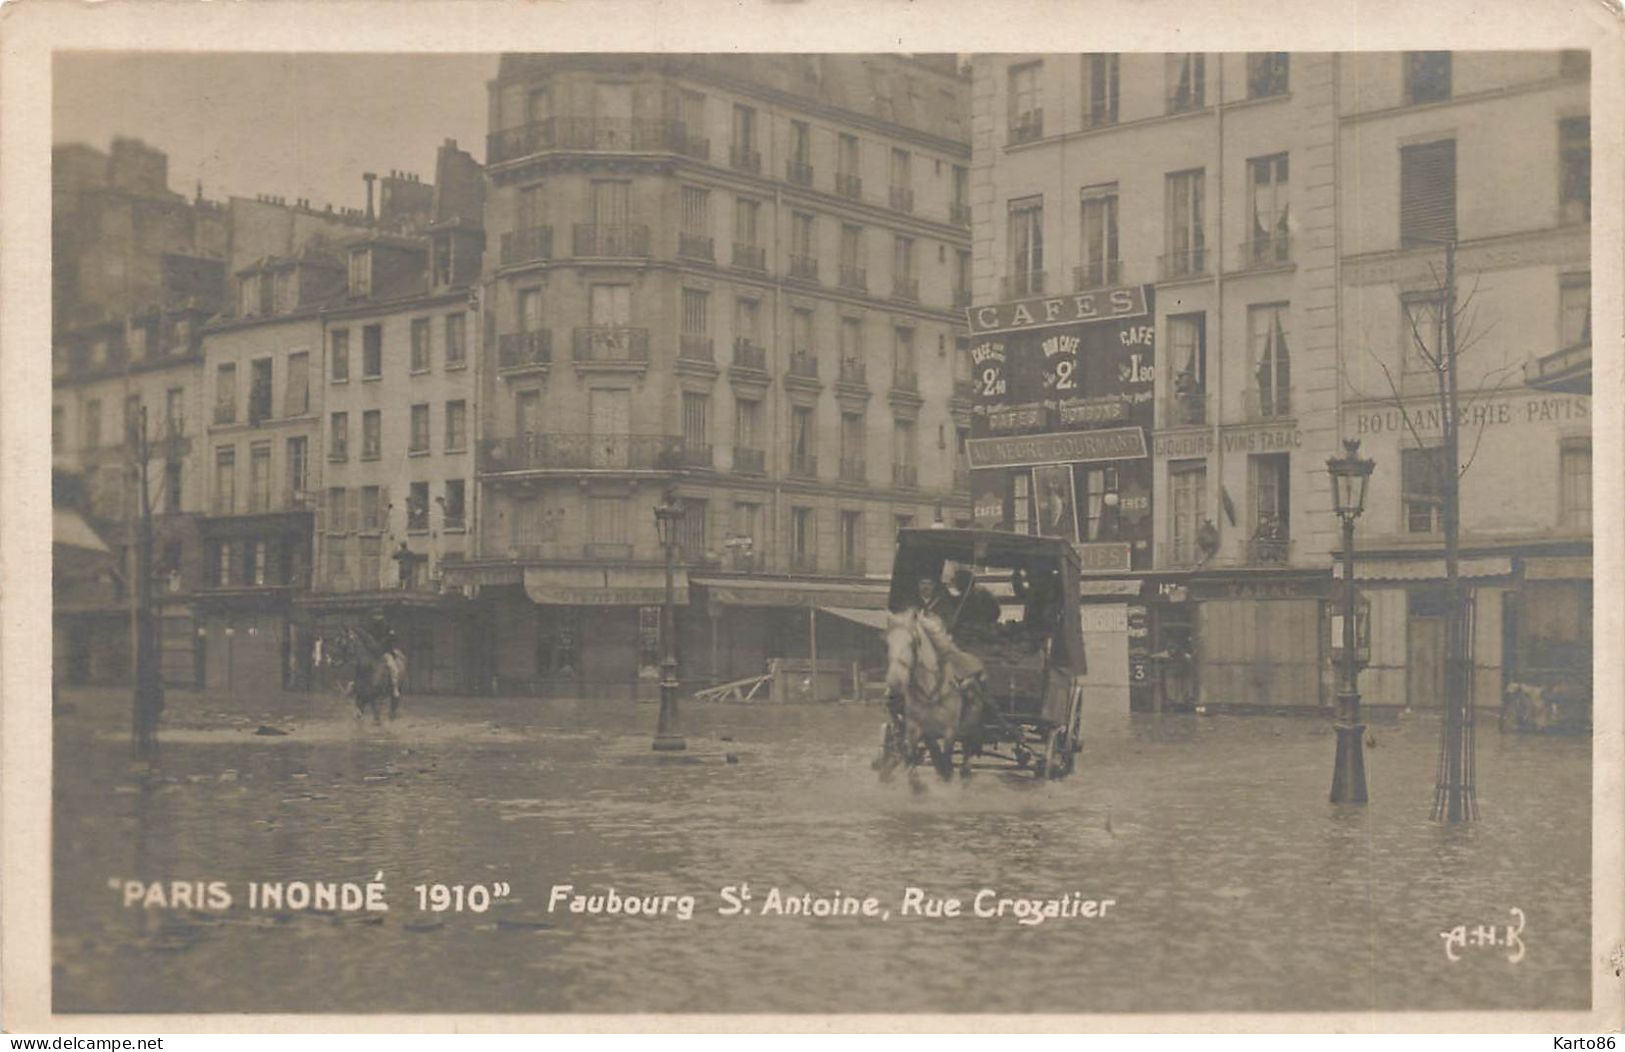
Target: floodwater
x=1234 y=885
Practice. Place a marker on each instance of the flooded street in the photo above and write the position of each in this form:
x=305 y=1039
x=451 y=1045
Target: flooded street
x=1235 y=886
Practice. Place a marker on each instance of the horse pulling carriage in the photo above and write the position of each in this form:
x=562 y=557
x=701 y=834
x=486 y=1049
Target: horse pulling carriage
x=984 y=653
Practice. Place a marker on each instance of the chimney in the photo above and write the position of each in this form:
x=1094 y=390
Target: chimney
x=370 y=178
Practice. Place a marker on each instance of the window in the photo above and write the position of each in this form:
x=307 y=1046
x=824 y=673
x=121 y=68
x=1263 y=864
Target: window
x=1100 y=260
x=1267 y=328
x=1422 y=333
x=172 y=489
x=417 y=506
x=694 y=216
x=1026 y=103
x=691 y=538
x=372 y=352
x=852 y=443
x=745 y=155
x=848 y=172
x=803 y=236
x=1268 y=211
x=1427 y=194
x=1187 y=81
x=1574 y=476
x=225 y=480
x=456 y=425
x=747 y=322
x=1427 y=76
x=93 y=424
x=174 y=412
x=530 y=310
x=372 y=434
x=803 y=441
x=259 y=390
x=133 y=429
x=803 y=539
x=962 y=279
x=851 y=259
x=801 y=334
x=527 y=412
x=747 y=215
x=903 y=359
x=225 y=393
x=1187 y=510
x=1187 y=348
x=1097 y=521
x=454 y=515
x=1269 y=496
x=420 y=429
x=1266 y=74
x=696 y=422
x=904 y=284
x=852 y=345
x=339 y=356
x=361 y=272
x=747 y=423
x=298 y=450
x=1186 y=239
x=420 y=345
x=372 y=517
x=456 y=341
x=696 y=319
x=296 y=395
x=1574 y=147
x=1574 y=311
x=902 y=181
x=747 y=525
x=607 y=519
x=959 y=196
x=852 y=542
x=1026 y=234
x=903 y=443
x=611 y=208
x=369 y=568
x=692 y=109
x=333 y=511
x=1421 y=484
x=338 y=437
x=800 y=151
x=1099 y=89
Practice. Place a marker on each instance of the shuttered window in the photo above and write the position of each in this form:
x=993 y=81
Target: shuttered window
x=1427 y=193
x=696 y=211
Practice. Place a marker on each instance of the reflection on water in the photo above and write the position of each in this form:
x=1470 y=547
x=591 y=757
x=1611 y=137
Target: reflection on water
x=1236 y=886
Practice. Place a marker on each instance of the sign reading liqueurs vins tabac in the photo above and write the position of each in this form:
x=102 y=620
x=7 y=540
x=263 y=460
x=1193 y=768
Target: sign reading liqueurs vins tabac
x=1071 y=309
x=1117 y=443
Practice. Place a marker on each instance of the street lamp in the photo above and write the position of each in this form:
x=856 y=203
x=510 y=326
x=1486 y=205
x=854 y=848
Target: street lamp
x=1350 y=474
x=668 y=518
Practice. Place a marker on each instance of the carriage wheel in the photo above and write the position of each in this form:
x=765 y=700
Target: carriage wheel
x=1056 y=754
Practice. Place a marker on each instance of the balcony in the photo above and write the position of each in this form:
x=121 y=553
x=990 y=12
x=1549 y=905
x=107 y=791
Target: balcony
x=853 y=279
x=589 y=133
x=577 y=452
x=803 y=466
x=618 y=241
x=962 y=297
x=697 y=455
x=748 y=355
x=959 y=214
x=1189 y=263
x=610 y=343
x=1185 y=409
x=1025 y=127
x=803 y=562
x=1264 y=252
x=804 y=365
x=853 y=469
x=905 y=476
x=905 y=380
x=225 y=413
x=853 y=373
x=693 y=145
x=696 y=246
x=906 y=289
x=696 y=347
x=902 y=199
x=1269 y=551
x=1266 y=405
x=853 y=564
x=964 y=390
x=1096 y=274
x=1024 y=283
x=524 y=351
x=804 y=268
x=799 y=172
x=849 y=186
x=750 y=257
x=749 y=461
x=528 y=245
x=744 y=159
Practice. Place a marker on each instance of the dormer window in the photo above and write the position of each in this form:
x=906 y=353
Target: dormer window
x=361 y=272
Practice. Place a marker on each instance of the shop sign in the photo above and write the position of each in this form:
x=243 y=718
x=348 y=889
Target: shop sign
x=1112 y=617
x=1108 y=557
x=1253 y=588
x=1230 y=440
x=1117 y=588
x=1041 y=311
x=555 y=596
x=1498 y=413
x=1120 y=443
x=1557 y=568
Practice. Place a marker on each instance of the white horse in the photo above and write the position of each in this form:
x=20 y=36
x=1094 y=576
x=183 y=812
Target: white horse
x=936 y=688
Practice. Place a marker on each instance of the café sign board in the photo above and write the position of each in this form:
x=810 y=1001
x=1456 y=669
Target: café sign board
x=1104 y=557
x=1061 y=447
x=1038 y=312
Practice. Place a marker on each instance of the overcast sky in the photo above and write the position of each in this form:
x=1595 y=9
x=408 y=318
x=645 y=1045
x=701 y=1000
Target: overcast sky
x=293 y=125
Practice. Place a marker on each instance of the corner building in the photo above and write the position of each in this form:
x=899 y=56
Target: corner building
x=737 y=278
x=1261 y=208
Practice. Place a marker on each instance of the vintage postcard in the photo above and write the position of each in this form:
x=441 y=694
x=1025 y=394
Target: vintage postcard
x=812 y=515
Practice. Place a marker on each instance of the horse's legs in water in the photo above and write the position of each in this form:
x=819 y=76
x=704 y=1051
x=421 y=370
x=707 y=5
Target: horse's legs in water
x=942 y=757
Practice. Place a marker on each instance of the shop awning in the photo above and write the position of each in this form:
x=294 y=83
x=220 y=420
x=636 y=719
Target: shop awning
x=70 y=530
x=1557 y=568
x=603 y=585
x=875 y=619
x=1429 y=569
x=745 y=592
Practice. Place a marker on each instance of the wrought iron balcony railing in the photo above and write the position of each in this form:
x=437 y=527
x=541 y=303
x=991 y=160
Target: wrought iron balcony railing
x=748 y=355
x=1188 y=263
x=750 y=257
x=902 y=199
x=853 y=469
x=1023 y=283
x=853 y=372
x=853 y=565
x=1266 y=405
x=697 y=455
x=905 y=288
x=802 y=363
x=803 y=466
x=849 y=185
x=905 y=476
x=1270 y=250
x=1269 y=551
x=578 y=452
x=696 y=246
x=799 y=172
x=804 y=268
x=527 y=245
x=591 y=133
x=744 y=158
x=1027 y=126
x=1096 y=274
x=959 y=214
x=524 y=350
x=610 y=343
x=614 y=241
x=749 y=461
x=853 y=279
x=696 y=347
x=1184 y=409
x=962 y=297
x=905 y=380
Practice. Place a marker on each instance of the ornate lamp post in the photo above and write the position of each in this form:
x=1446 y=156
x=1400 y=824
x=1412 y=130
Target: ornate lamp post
x=1350 y=473
x=668 y=518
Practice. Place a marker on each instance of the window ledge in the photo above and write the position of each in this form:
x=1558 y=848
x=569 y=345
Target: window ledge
x=454 y=529
x=420 y=372
x=456 y=449
x=338 y=380
x=331 y=459
x=371 y=456
x=372 y=379
x=417 y=452
x=456 y=367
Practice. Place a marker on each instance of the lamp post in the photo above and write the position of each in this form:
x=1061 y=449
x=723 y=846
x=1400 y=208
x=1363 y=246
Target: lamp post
x=668 y=517
x=1350 y=473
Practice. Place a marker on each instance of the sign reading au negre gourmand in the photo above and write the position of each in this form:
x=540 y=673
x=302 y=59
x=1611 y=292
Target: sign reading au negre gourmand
x=1038 y=312
x=1117 y=443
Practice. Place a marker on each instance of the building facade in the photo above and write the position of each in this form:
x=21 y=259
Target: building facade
x=1220 y=249
x=730 y=278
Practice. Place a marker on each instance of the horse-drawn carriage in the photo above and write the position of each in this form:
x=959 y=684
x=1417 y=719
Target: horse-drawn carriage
x=985 y=653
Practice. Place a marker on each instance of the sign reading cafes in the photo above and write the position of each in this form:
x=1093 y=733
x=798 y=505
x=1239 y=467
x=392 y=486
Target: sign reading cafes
x=1117 y=443
x=1071 y=309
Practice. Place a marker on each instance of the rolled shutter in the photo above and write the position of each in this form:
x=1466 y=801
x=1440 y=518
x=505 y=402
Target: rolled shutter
x=1427 y=193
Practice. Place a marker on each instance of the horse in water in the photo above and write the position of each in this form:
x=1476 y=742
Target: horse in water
x=936 y=690
x=377 y=676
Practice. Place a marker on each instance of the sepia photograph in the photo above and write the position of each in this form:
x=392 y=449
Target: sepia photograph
x=893 y=533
